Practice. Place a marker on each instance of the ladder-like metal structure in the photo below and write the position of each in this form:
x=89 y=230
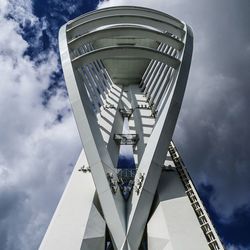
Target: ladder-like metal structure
x=207 y=227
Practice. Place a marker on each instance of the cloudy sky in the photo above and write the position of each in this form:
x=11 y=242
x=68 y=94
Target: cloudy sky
x=39 y=142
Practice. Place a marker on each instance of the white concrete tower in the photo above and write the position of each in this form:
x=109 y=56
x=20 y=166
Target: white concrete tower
x=126 y=70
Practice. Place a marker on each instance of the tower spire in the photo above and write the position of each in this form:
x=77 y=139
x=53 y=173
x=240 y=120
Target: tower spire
x=127 y=66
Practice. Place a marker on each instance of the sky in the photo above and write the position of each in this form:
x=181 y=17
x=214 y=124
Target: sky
x=39 y=142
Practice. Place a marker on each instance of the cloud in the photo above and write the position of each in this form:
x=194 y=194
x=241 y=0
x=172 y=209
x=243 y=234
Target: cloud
x=214 y=111
x=233 y=247
x=37 y=150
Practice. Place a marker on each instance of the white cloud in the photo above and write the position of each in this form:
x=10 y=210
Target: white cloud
x=147 y=3
x=36 y=150
x=234 y=247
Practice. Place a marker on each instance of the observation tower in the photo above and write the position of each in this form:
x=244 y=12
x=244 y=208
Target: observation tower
x=126 y=70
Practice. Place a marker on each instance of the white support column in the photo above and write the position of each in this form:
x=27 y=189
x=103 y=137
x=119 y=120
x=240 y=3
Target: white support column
x=173 y=203
x=69 y=223
x=166 y=82
x=149 y=70
x=95 y=233
x=156 y=77
x=91 y=82
x=149 y=170
x=159 y=79
x=97 y=81
x=101 y=78
x=153 y=71
x=96 y=151
x=89 y=88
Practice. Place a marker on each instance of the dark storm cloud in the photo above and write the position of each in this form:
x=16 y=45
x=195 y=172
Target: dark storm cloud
x=213 y=129
x=11 y=201
x=238 y=228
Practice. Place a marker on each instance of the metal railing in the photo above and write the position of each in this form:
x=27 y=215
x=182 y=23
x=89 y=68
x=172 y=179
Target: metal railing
x=202 y=216
x=126 y=139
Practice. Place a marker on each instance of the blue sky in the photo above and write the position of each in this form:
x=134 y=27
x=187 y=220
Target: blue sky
x=39 y=142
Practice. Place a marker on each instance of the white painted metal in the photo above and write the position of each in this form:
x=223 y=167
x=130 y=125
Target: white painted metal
x=109 y=58
x=126 y=52
x=121 y=19
x=155 y=72
x=124 y=10
x=94 y=235
x=97 y=155
x=69 y=223
x=126 y=31
x=173 y=205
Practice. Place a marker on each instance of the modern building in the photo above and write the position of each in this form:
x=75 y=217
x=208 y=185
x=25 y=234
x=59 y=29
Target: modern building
x=126 y=70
